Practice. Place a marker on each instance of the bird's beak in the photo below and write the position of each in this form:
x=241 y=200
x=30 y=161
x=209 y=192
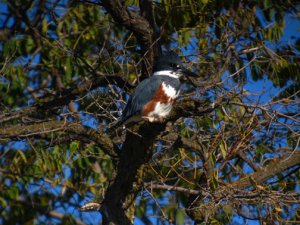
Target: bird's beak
x=188 y=72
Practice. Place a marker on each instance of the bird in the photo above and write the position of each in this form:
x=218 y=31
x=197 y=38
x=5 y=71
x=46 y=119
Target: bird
x=154 y=97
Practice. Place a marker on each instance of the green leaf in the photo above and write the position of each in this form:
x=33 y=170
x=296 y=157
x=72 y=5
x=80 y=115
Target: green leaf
x=74 y=146
x=214 y=180
x=3 y=203
x=29 y=45
x=224 y=148
x=21 y=153
x=228 y=209
x=44 y=26
x=59 y=28
x=180 y=216
x=212 y=158
x=68 y=68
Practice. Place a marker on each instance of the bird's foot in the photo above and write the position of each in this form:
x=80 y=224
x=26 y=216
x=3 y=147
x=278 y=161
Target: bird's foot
x=153 y=119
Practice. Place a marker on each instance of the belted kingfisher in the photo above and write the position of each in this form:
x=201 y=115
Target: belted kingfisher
x=154 y=97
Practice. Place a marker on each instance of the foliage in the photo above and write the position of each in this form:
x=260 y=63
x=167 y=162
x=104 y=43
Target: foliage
x=230 y=149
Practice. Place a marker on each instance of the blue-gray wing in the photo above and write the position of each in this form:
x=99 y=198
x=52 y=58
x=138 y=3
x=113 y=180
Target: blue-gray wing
x=144 y=93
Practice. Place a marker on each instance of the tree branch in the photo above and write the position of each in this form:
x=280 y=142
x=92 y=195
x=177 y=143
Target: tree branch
x=171 y=188
x=21 y=131
x=137 y=150
x=274 y=167
x=147 y=11
x=199 y=209
x=46 y=211
x=138 y=25
x=67 y=95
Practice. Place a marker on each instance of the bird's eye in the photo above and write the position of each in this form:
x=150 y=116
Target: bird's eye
x=175 y=65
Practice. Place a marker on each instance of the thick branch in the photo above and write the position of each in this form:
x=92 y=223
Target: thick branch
x=18 y=131
x=249 y=196
x=171 y=188
x=274 y=167
x=138 y=25
x=200 y=210
x=45 y=210
x=147 y=11
x=135 y=153
x=67 y=95
x=58 y=215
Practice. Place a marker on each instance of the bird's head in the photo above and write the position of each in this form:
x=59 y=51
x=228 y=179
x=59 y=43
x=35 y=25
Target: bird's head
x=171 y=64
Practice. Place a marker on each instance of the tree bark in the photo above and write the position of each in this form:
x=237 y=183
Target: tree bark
x=137 y=150
x=140 y=28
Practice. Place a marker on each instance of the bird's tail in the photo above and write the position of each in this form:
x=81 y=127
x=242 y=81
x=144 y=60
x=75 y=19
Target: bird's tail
x=112 y=127
x=115 y=124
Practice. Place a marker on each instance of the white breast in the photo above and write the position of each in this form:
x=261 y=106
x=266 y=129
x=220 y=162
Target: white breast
x=161 y=110
x=170 y=91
